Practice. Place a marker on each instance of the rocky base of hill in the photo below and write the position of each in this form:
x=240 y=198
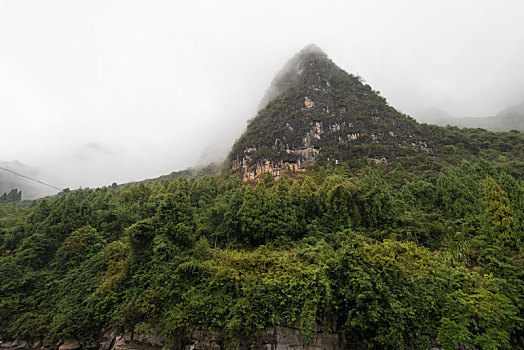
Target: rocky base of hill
x=275 y=338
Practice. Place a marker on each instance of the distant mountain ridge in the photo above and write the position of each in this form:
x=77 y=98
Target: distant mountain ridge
x=9 y=181
x=508 y=119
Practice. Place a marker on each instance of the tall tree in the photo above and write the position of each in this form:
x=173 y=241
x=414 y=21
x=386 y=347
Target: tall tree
x=500 y=216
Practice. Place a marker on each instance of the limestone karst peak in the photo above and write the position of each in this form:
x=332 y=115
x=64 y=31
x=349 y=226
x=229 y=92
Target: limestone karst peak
x=314 y=110
x=311 y=50
x=293 y=71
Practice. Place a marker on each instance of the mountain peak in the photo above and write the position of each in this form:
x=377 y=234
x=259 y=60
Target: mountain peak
x=314 y=110
x=293 y=71
x=311 y=50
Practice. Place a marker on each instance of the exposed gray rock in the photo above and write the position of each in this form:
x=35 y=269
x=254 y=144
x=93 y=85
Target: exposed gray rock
x=6 y=344
x=127 y=336
x=274 y=338
x=70 y=344
x=20 y=345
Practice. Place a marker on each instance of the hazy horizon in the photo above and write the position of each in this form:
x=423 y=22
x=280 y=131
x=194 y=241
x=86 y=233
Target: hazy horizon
x=98 y=92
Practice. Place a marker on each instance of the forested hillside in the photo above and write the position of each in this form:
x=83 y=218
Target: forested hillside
x=333 y=214
x=383 y=255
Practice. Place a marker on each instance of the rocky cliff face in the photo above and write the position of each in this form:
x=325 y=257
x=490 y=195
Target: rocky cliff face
x=314 y=110
x=275 y=338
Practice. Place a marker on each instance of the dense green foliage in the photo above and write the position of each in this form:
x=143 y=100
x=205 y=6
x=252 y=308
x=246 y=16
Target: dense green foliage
x=385 y=256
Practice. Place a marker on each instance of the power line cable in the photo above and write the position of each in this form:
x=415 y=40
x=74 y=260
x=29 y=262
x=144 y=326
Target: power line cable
x=30 y=178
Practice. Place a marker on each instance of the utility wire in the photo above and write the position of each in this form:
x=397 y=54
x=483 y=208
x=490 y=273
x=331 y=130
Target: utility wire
x=30 y=178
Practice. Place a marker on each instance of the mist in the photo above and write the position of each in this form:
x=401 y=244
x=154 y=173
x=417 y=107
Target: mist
x=98 y=92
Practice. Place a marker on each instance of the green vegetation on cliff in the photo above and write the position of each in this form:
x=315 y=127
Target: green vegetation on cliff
x=385 y=256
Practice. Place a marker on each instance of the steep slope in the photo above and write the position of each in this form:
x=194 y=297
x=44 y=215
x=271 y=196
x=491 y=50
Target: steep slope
x=314 y=110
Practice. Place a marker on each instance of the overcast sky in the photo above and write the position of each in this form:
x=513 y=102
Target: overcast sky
x=93 y=92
